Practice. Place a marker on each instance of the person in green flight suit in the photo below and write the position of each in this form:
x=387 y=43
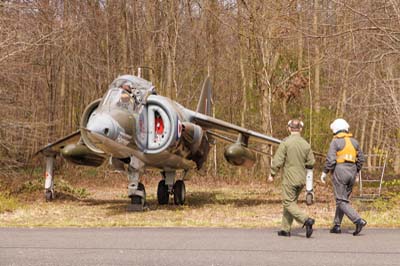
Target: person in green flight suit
x=294 y=154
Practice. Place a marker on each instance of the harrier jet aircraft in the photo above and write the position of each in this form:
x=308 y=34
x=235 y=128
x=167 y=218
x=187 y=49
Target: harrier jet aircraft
x=134 y=128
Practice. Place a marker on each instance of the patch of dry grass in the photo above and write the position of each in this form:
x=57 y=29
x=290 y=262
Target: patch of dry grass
x=8 y=203
x=253 y=205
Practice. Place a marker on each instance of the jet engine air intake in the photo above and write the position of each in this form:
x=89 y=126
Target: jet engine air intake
x=159 y=127
x=161 y=122
x=238 y=155
x=89 y=111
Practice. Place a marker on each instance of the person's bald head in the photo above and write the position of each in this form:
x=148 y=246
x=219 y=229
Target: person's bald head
x=295 y=125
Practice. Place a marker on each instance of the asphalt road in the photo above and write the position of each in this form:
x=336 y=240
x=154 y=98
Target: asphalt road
x=195 y=246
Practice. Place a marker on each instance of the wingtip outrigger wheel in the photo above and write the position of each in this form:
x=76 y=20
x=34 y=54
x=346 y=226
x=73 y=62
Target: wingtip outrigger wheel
x=309 y=187
x=49 y=195
x=309 y=198
x=49 y=184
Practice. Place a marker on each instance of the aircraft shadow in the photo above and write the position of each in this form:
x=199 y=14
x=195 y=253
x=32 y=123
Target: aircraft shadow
x=62 y=196
x=193 y=201
x=199 y=199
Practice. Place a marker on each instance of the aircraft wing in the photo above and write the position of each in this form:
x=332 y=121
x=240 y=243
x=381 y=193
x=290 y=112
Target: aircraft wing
x=228 y=132
x=55 y=147
x=220 y=129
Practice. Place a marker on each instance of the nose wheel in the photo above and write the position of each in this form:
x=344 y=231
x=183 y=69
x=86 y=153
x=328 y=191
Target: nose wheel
x=140 y=197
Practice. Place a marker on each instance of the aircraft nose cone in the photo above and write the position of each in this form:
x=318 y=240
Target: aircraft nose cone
x=103 y=124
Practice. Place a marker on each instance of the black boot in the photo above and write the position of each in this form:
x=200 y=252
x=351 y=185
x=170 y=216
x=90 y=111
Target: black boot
x=336 y=229
x=283 y=233
x=308 y=224
x=360 y=223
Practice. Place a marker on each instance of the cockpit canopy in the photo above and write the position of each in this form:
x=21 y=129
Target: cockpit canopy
x=126 y=92
x=132 y=81
x=117 y=98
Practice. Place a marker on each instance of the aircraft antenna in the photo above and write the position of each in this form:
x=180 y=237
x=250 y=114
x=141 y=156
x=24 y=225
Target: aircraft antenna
x=141 y=71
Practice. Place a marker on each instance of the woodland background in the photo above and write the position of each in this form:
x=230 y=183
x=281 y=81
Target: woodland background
x=269 y=61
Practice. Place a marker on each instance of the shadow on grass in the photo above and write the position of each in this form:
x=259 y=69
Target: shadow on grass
x=67 y=197
x=199 y=199
x=62 y=196
x=194 y=200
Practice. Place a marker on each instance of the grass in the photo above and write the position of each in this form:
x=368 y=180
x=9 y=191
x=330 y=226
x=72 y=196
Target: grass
x=246 y=205
x=8 y=203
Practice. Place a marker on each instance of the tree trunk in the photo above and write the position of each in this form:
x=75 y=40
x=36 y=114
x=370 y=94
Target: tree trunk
x=269 y=66
x=300 y=42
x=396 y=162
x=364 y=120
x=341 y=103
x=123 y=67
x=371 y=142
x=317 y=62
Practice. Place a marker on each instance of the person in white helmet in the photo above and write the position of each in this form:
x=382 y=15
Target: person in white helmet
x=344 y=160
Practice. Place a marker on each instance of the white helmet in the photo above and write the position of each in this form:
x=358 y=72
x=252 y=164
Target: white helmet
x=339 y=125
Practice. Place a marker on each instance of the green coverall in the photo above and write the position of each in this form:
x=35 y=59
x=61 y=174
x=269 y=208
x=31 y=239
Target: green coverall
x=295 y=155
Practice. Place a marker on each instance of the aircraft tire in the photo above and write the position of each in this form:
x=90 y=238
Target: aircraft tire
x=162 y=193
x=137 y=199
x=179 y=192
x=309 y=199
x=49 y=195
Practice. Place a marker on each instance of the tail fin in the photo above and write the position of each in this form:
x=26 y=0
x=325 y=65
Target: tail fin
x=204 y=105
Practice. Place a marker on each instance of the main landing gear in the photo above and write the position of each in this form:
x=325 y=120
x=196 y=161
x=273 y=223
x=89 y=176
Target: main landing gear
x=167 y=187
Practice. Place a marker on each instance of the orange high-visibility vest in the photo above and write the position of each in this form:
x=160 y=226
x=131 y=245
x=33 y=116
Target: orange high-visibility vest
x=348 y=153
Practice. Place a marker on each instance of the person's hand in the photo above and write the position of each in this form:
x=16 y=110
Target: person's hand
x=357 y=177
x=323 y=177
x=270 y=178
